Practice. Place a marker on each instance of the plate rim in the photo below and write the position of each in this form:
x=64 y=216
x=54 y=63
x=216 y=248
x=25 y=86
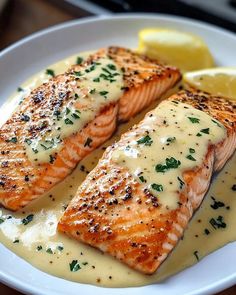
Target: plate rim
x=16 y=283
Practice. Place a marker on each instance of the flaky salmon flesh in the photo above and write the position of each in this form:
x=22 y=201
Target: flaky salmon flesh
x=115 y=213
x=23 y=179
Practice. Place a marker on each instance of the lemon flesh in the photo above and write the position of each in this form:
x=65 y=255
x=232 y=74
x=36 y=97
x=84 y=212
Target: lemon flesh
x=183 y=50
x=218 y=81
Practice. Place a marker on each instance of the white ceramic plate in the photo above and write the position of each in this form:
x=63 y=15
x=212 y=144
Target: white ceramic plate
x=215 y=272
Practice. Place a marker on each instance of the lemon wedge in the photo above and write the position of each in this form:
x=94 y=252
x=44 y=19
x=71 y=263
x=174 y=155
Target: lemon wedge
x=183 y=50
x=218 y=81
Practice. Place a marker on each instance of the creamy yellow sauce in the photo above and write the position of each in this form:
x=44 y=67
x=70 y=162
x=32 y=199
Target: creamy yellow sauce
x=31 y=233
x=158 y=157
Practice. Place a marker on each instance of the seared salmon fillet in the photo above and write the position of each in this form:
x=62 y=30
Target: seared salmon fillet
x=139 y=199
x=63 y=120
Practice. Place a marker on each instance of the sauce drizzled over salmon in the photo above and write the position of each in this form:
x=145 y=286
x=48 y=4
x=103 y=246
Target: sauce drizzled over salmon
x=137 y=202
x=63 y=120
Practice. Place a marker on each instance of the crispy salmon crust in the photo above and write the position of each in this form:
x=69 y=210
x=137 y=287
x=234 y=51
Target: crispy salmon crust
x=21 y=180
x=112 y=212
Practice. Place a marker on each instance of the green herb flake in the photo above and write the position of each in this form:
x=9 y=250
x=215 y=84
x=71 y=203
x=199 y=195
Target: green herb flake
x=96 y=79
x=92 y=91
x=13 y=140
x=27 y=219
x=85 y=263
x=16 y=241
x=218 y=124
x=198 y=134
x=190 y=157
x=77 y=74
x=88 y=142
x=192 y=151
x=142 y=179
x=206 y=231
x=194 y=120
x=111 y=67
x=103 y=93
x=195 y=253
x=171 y=163
x=68 y=121
x=2 y=220
x=20 y=89
x=218 y=222
x=216 y=204
x=60 y=248
x=146 y=140
x=181 y=182
x=157 y=187
x=67 y=111
x=171 y=139
x=39 y=248
x=49 y=251
x=79 y=60
x=74 y=266
x=206 y=130
x=28 y=141
x=75 y=116
x=50 y=72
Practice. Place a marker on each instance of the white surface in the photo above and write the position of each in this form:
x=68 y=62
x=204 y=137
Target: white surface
x=214 y=273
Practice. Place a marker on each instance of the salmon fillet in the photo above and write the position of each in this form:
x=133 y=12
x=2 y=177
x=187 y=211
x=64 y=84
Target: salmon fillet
x=115 y=213
x=23 y=180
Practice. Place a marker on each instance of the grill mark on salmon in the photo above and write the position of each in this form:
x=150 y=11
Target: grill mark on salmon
x=112 y=212
x=21 y=180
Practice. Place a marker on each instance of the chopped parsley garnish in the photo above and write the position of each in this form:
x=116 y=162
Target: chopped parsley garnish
x=206 y=130
x=1 y=220
x=79 y=60
x=206 y=231
x=146 y=140
x=76 y=96
x=111 y=67
x=67 y=111
x=194 y=120
x=27 y=219
x=218 y=124
x=92 y=91
x=13 y=139
x=74 y=266
x=25 y=118
x=19 y=89
x=49 y=251
x=78 y=74
x=28 y=141
x=87 y=142
x=75 y=115
x=39 y=248
x=195 y=253
x=192 y=151
x=85 y=263
x=171 y=139
x=16 y=241
x=142 y=179
x=92 y=68
x=68 y=121
x=181 y=182
x=199 y=134
x=35 y=150
x=190 y=157
x=96 y=79
x=103 y=93
x=50 y=72
x=157 y=187
x=217 y=222
x=51 y=159
x=60 y=248
x=216 y=204
x=171 y=163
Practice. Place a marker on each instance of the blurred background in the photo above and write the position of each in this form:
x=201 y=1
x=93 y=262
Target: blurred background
x=19 y=18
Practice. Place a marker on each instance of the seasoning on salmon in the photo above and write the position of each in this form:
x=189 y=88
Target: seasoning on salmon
x=61 y=121
x=137 y=202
